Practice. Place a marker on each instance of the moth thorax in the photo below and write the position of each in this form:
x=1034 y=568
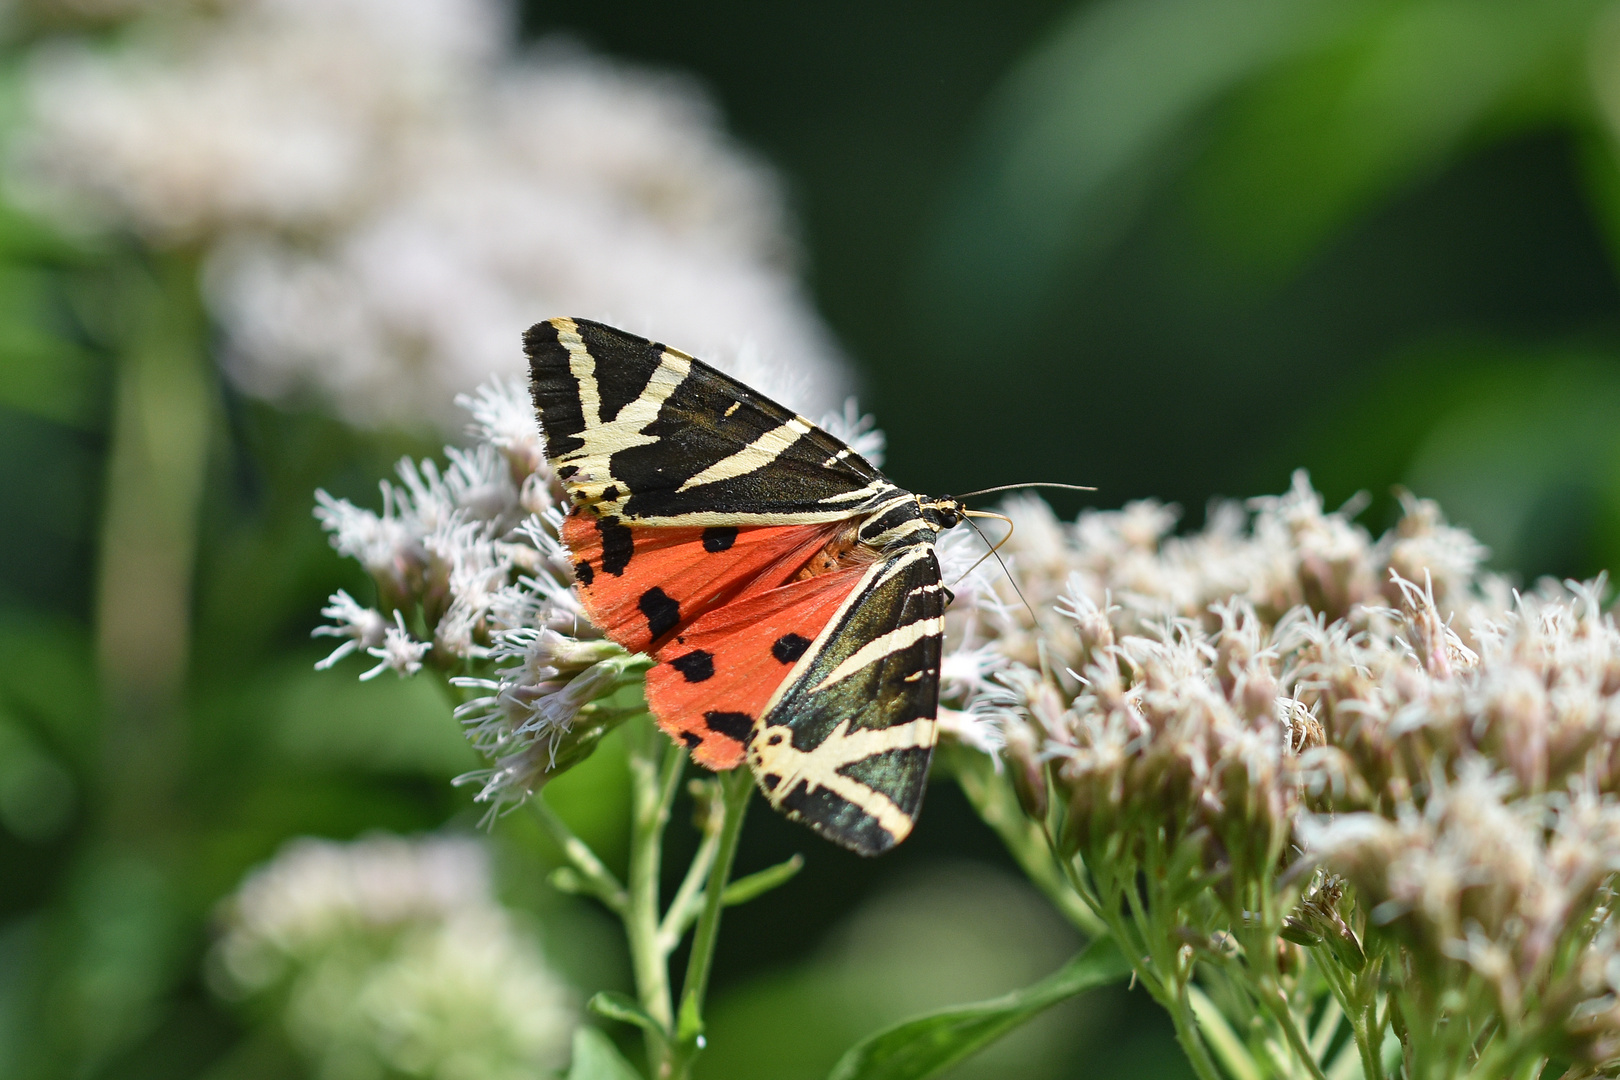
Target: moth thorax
x=843 y=551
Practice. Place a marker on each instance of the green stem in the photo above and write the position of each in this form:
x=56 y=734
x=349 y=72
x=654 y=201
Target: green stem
x=1276 y=1003
x=163 y=412
x=655 y=770
x=1129 y=943
x=1346 y=993
x=1192 y=1043
x=685 y=905
x=1215 y=1033
x=1369 y=1030
x=1029 y=842
x=736 y=788
x=599 y=879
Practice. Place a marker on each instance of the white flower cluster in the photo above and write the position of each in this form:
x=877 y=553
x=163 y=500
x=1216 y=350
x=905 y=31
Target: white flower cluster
x=391 y=957
x=474 y=581
x=1284 y=691
x=471 y=576
x=385 y=194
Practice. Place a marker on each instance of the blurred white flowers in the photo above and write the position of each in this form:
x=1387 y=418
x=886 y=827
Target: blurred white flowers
x=473 y=580
x=390 y=956
x=385 y=195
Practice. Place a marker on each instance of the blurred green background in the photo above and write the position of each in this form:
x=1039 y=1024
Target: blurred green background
x=1170 y=248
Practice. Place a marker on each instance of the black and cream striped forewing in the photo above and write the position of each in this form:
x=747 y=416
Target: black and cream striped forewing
x=647 y=434
x=845 y=744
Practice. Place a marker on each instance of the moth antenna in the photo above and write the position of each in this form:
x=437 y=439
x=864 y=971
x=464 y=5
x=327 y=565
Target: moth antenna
x=968 y=516
x=987 y=544
x=1012 y=487
x=999 y=517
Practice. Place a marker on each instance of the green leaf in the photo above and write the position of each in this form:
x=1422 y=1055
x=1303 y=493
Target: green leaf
x=1282 y=119
x=596 y=1058
x=689 y=1024
x=926 y=1045
x=745 y=889
x=1393 y=97
x=616 y=1006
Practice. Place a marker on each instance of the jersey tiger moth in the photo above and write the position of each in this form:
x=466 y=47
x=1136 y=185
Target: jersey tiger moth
x=789 y=591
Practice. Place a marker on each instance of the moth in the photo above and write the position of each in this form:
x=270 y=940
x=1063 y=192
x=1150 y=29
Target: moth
x=789 y=591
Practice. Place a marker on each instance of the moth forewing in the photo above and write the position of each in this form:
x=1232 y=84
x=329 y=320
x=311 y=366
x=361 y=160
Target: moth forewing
x=642 y=432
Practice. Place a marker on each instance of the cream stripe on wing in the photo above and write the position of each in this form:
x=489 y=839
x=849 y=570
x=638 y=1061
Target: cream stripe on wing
x=582 y=366
x=889 y=536
x=874 y=488
x=756 y=455
x=879 y=647
x=819 y=767
x=603 y=440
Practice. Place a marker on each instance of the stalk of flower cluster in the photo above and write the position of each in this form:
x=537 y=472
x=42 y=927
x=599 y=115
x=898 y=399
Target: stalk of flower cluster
x=1278 y=760
x=157 y=461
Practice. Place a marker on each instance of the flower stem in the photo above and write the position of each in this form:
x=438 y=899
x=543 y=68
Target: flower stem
x=736 y=788
x=1192 y=1043
x=1358 y=997
x=685 y=906
x=596 y=876
x=157 y=462
x=655 y=771
x=1276 y=1003
x=1029 y=842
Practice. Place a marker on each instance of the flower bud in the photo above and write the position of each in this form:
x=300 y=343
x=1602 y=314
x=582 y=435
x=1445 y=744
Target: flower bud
x=1025 y=769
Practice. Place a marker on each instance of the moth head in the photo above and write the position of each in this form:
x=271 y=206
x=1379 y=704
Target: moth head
x=943 y=513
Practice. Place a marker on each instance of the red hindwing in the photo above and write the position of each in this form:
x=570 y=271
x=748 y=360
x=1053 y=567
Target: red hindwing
x=718 y=673
x=642 y=585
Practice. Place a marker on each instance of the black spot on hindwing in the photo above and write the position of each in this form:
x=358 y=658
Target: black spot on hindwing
x=583 y=573
x=736 y=725
x=695 y=666
x=663 y=611
x=691 y=738
x=617 y=545
x=610 y=493
x=789 y=647
x=719 y=537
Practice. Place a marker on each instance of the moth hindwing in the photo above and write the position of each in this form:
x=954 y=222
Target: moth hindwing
x=788 y=589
